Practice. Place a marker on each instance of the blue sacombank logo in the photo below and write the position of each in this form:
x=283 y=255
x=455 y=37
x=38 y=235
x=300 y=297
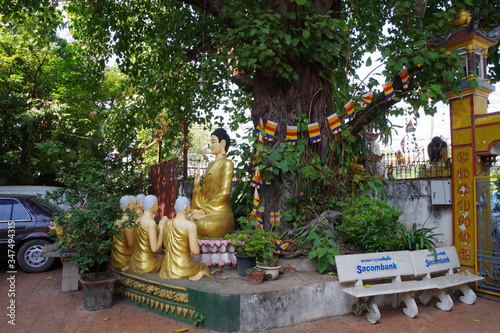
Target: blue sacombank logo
x=377 y=267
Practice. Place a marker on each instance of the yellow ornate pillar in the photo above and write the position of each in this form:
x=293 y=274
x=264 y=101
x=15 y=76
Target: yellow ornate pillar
x=466 y=163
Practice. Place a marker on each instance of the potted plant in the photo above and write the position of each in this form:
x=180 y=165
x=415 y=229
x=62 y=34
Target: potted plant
x=255 y=275
x=87 y=228
x=251 y=245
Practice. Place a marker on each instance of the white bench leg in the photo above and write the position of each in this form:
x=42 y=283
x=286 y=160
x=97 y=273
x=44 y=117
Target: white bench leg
x=469 y=296
x=368 y=303
x=446 y=303
x=411 y=309
x=373 y=315
x=395 y=300
x=426 y=296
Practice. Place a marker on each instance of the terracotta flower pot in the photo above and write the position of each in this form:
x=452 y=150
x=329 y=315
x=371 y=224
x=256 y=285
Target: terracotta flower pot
x=255 y=277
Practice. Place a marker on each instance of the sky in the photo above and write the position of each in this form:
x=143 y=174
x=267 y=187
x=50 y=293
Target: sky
x=438 y=125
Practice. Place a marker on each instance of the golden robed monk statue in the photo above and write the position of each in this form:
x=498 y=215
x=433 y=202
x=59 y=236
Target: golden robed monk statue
x=180 y=239
x=147 y=240
x=124 y=243
x=211 y=202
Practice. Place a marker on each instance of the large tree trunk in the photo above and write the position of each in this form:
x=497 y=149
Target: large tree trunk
x=281 y=101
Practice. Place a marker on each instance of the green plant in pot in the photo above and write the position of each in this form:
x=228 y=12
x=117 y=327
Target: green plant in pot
x=87 y=228
x=251 y=245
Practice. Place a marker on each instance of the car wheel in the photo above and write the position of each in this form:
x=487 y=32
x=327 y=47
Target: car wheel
x=29 y=256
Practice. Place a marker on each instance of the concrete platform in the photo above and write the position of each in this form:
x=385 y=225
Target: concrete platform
x=226 y=302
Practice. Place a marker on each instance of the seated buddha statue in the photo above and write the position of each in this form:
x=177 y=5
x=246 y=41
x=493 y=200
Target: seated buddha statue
x=211 y=201
x=124 y=243
x=180 y=239
x=147 y=240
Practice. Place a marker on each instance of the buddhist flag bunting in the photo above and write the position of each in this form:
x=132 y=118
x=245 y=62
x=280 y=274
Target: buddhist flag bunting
x=275 y=218
x=257 y=159
x=388 y=90
x=260 y=126
x=366 y=99
x=410 y=128
x=400 y=158
x=256 y=216
x=335 y=124
x=349 y=107
x=314 y=134
x=390 y=171
x=404 y=78
x=420 y=66
x=260 y=139
x=403 y=144
x=270 y=130
x=256 y=198
x=256 y=179
x=291 y=135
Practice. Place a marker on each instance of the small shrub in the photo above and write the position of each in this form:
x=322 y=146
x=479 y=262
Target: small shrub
x=368 y=225
x=324 y=247
x=418 y=238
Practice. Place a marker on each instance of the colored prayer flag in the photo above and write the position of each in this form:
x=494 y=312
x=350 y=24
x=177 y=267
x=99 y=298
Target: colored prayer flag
x=410 y=128
x=389 y=171
x=270 y=130
x=260 y=139
x=349 y=107
x=366 y=99
x=420 y=66
x=260 y=126
x=314 y=134
x=256 y=198
x=388 y=90
x=272 y=217
x=291 y=135
x=256 y=179
x=404 y=78
x=276 y=219
x=400 y=158
x=335 y=124
x=256 y=216
x=257 y=159
x=403 y=145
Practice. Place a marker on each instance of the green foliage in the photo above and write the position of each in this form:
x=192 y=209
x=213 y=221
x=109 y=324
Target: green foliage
x=324 y=247
x=417 y=238
x=253 y=243
x=92 y=192
x=368 y=225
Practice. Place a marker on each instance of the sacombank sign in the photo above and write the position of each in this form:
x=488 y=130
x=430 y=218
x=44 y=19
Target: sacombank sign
x=376 y=267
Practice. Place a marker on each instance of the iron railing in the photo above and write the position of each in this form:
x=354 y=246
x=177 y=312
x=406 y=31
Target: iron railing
x=412 y=164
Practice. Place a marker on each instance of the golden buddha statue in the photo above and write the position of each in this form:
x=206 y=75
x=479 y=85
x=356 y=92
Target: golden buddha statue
x=124 y=243
x=147 y=240
x=180 y=238
x=211 y=202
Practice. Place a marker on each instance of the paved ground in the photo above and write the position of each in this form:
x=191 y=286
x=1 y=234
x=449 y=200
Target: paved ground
x=41 y=307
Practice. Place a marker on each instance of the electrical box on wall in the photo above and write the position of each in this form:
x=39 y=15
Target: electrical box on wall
x=441 y=192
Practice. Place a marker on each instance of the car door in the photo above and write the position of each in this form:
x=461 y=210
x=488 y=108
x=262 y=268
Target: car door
x=13 y=217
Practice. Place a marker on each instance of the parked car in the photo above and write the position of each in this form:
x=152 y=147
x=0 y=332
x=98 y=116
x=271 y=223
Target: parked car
x=25 y=219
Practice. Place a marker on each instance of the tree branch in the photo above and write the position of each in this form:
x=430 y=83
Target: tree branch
x=379 y=105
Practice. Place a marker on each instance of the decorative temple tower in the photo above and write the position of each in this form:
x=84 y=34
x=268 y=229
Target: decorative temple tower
x=475 y=134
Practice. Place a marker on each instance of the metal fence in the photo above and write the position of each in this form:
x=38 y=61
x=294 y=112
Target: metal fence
x=412 y=164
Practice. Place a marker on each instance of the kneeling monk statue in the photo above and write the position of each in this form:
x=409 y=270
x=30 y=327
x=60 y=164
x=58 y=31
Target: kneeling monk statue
x=211 y=204
x=147 y=240
x=179 y=240
x=124 y=243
